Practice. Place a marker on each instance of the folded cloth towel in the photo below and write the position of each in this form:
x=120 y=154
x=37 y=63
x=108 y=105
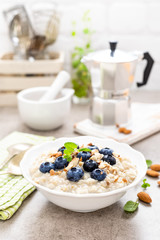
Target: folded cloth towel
x=14 y=189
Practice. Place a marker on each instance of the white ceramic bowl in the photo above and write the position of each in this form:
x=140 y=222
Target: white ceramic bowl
x=47 y=115
x=84 y=202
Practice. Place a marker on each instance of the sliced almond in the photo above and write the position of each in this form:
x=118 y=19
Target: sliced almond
x=116 y=155
x=108 y=183
x=57 y=154
x=155 y=167
x=97 y=157
x=143 y=196
x=116 y=179
x=80 y=164
x=152 y=173
x=52 y=172
x=90 y=144
x=94 y=151
x=103 y=165
x=124 y=180
x=72 y=164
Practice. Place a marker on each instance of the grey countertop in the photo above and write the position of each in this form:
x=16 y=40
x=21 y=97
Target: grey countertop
x=39 y=219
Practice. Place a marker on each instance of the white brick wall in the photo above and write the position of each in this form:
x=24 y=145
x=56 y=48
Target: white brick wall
x=134 y=23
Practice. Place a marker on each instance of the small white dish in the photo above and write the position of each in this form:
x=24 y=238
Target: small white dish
x=44 y=115
x=84 y=202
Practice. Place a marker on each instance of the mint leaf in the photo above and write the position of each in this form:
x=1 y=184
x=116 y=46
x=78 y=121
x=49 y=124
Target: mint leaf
x=70 y=145
x=130 y=206
x=68 y=157
x=145 y=185
x=84 y=149
x=68 y=151
x=149 y=163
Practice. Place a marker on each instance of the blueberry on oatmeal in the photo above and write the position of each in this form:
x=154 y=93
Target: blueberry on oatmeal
x=75 y=174
x=60 y=163
x=106 y=151
x=98 y=174
x=90 y=165
x=92 y=147
x=84 y=155
x=46 y=167
x=109 y=159
x=61 y=149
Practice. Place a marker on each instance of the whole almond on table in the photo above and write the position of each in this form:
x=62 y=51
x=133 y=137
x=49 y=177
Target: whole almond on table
x=124 y=130
x=152 y=173
x=158 y=183
x=155 y=167
x=144 y=197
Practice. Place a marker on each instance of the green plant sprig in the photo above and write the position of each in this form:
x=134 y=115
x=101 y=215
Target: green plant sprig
x=71 y=148
x=81 y=79
x=145 y=185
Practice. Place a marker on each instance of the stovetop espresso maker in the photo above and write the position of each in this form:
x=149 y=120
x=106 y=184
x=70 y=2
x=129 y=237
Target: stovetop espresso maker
x=112 y=74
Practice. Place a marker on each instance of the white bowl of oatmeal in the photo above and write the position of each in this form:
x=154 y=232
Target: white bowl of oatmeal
x=90 y=179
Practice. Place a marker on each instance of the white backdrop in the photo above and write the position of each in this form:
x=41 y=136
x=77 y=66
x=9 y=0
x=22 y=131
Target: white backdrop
x=134 y=23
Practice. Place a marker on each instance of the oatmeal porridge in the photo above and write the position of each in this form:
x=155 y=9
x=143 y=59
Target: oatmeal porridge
x=83 y=169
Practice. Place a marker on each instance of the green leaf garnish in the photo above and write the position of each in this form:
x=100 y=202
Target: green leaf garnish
x=70 y=148
x=68 y=151
x=130 y=206
x=149 y=163
x=70 y=145
x=68 y=157
x=145 y=185
x=84 y=149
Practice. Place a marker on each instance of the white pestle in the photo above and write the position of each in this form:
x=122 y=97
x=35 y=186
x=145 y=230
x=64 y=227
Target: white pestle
x=60 y=81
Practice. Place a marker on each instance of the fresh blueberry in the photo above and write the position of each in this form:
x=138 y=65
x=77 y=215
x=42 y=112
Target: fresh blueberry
x=106 y=151
x=98 y=174
x=92 y=147
x=75 y=174
x=90 y=165
x=46 y=167
x=61 y=149
x=85 y=155
x=109 y=159
x=60 y=163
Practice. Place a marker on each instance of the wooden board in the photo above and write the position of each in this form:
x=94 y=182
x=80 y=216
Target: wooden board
x=52 y=66
x=16 y=75
x=19 y=83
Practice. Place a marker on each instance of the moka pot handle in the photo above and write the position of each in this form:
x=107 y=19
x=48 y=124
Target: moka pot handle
x=147 y=70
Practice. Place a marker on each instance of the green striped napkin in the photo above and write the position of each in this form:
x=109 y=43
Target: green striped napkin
x=14 y=189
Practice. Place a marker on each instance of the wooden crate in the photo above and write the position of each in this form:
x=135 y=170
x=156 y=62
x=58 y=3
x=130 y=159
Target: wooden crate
x=16 y=75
